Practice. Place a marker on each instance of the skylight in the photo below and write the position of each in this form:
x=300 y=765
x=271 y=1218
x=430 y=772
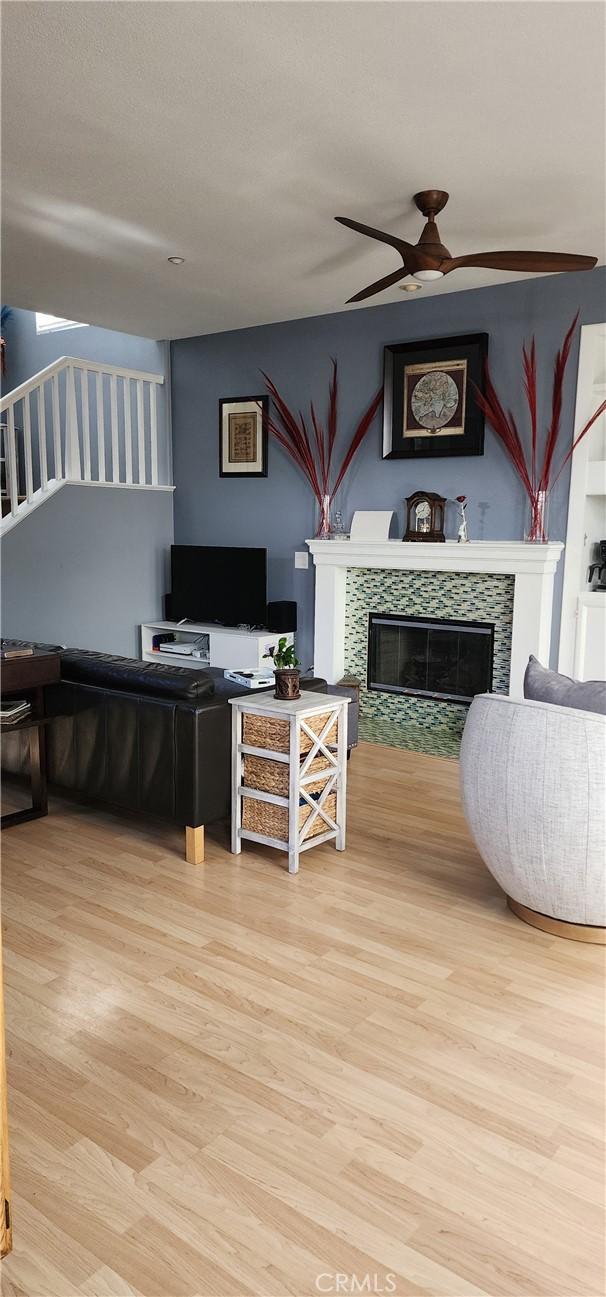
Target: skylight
x=53 y=323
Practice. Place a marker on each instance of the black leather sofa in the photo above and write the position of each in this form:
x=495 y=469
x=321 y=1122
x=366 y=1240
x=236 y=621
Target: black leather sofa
x=142 y=737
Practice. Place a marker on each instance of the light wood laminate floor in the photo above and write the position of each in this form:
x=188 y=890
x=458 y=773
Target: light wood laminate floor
x=224 y=1080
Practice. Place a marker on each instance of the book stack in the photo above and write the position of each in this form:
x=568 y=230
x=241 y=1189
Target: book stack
x=13 y=711
x=21 y=652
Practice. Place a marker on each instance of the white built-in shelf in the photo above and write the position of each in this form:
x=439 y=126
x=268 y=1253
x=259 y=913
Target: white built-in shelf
x=583 y=619
x=590 y=642
x=596 y=477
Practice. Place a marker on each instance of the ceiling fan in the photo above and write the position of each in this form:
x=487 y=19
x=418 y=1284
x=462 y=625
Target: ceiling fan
x=429 y=259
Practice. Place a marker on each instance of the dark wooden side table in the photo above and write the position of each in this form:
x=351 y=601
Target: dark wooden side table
x=28 y=677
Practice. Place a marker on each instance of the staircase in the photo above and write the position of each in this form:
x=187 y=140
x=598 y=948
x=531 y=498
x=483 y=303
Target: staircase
x=77 y=421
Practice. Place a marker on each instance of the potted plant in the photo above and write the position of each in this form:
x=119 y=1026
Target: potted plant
x=286 y=669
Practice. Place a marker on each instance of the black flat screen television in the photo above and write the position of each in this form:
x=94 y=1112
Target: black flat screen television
x=215 y=583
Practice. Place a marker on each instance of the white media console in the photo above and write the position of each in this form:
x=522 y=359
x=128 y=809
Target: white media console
x=221 y=646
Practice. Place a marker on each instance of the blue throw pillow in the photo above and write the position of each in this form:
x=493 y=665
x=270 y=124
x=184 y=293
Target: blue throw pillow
x=545 y=686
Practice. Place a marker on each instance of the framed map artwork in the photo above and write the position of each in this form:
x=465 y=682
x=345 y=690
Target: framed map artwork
x=429 y=406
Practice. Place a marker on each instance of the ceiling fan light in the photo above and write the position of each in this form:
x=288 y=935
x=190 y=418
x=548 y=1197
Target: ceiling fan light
x=426 y=275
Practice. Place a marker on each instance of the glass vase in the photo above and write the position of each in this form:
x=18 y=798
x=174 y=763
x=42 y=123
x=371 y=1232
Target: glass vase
x=536 y=529
x=338 y=529
x=323 y=531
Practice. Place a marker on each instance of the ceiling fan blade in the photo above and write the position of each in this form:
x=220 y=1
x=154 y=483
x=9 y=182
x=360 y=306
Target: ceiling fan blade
x=539 y=262
x=380 y=284
x=392 y=239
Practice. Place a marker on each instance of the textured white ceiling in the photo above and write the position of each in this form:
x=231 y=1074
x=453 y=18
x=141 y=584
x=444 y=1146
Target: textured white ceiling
x=232 y=133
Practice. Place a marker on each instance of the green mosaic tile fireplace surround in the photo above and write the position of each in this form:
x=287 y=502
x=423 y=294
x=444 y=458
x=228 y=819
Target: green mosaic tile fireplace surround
x=401 y=720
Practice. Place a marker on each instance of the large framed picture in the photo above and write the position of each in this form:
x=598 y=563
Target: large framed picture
x=429 y=408
x=243 y=436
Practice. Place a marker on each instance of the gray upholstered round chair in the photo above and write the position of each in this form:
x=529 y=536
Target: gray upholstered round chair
x=533 y=783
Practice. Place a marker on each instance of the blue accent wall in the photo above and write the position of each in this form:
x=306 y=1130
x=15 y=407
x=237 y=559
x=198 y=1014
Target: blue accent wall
x=279 y=511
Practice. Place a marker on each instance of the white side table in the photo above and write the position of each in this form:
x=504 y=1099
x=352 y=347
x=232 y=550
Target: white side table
x=289 y=772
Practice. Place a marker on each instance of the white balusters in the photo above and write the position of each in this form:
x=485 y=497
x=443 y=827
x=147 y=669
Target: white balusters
x=153 y=431
x=10 y=452
x=68 y=426
x=113 y=423
x=128 y=432
x=141 y=430
x=100 y=426
x=42 y=438
x=58 y=464
x=27 y=447
x=74 y=470
x=84 y=405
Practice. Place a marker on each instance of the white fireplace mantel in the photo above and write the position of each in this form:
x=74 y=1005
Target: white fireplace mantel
x=532 y=565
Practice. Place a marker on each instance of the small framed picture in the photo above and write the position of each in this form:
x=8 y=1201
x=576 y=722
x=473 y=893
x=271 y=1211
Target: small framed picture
x=243 y=436
x=429 y=409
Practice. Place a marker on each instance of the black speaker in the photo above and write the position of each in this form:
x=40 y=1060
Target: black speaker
x=282 y=615
x=168 y=607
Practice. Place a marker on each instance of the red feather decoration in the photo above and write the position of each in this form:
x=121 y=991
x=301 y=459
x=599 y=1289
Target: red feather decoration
x=559 y=372
x=537 y=483
x=313 y=451
x=358 y=438
x=529 y=359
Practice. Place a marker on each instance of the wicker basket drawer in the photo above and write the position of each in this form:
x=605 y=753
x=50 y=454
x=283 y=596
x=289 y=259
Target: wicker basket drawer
x=273 y=733
x=272 y=821
x=273 y=776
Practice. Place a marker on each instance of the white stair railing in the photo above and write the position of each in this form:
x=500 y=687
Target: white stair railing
x=79 y=421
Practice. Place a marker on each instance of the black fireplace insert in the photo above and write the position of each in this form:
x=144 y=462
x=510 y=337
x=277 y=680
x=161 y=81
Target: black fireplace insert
x=430 y=657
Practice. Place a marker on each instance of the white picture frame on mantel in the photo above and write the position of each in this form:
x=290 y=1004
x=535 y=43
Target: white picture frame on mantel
x=371 y=524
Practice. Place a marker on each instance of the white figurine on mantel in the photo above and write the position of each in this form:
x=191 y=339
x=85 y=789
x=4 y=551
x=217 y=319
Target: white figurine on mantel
x=462 y=536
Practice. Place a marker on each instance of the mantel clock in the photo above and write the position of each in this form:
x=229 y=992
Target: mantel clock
x=425 y=516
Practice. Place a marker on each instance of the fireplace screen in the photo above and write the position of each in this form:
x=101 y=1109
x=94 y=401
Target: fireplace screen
x=430 y=657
